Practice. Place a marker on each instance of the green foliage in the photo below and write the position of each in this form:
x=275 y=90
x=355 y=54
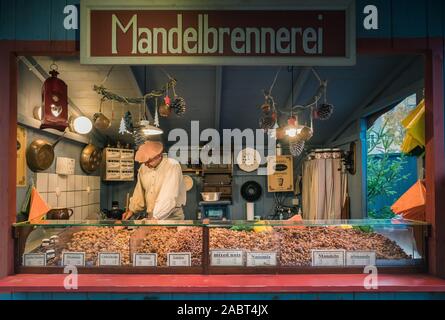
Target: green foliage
x=383 y=169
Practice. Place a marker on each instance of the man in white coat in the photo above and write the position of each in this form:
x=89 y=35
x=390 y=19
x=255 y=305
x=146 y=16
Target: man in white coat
x=159 y=191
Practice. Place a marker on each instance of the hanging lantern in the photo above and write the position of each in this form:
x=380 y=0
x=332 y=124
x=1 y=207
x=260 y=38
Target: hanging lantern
x=54 y=102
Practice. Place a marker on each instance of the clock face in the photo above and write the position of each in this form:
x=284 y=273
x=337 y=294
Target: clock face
x=248 y=159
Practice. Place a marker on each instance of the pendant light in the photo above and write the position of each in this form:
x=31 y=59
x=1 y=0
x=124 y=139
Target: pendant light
x=81 y=125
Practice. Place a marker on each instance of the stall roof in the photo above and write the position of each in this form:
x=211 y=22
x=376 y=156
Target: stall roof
x=229 y=97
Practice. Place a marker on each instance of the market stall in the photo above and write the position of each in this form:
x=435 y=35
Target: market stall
x=294 y=204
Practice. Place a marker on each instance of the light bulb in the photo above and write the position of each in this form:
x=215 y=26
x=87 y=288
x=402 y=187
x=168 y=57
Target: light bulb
x=291 y=132
x=82 y=125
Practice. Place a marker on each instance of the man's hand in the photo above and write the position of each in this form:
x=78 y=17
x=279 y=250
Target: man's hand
x=127 y=215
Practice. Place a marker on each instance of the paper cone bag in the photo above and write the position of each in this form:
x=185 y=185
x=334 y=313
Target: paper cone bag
x=38 y=206
x=412 y=202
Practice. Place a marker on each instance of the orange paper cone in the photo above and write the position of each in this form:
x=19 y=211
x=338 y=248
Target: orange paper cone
x=38 y=206
x=411 y=205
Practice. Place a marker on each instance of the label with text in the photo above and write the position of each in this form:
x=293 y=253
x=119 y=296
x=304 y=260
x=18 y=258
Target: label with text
x=179 y=259
x=258 y=259
x=227 y=258
x=73 y=259
x=360 y=258
x=109 y=259
x=145 y=259
x=328 y=258
x=34 y=259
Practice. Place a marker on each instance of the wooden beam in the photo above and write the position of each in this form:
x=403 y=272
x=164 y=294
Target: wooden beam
x=218 y=97
x=373 y=96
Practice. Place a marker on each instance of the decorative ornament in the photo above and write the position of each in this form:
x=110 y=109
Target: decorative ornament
x=122 y=127
x=164 y=110
x=167 y=100
x=296 y=147
x=54 y=102
x=305 y=134
x=268 y=117
x=324 y=111
x=178 y=105
x=156 y=121
x=128 y=119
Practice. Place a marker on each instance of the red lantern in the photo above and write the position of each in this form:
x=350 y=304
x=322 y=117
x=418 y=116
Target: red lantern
x=54 y=103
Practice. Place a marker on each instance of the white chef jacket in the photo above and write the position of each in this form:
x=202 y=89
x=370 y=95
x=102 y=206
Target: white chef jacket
x=159 y=190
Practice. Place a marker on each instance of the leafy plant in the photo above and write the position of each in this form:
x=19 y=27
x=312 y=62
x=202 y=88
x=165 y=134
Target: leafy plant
x=383 y=169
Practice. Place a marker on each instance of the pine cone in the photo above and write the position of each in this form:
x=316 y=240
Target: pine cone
x=178 y=105
x=324 y=111
x=268 y=120
x=296 y=147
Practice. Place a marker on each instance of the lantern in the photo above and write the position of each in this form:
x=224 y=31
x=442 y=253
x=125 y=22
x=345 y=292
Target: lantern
x=54 y=102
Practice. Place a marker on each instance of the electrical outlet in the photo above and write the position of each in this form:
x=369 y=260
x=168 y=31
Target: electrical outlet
x=295 y=201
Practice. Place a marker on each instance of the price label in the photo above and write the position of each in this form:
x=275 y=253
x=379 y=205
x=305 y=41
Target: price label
x=34 y=259
x=179 y=259
x=257 y=259
x=226 y=258
x=73 y=259
x=109 y=259
x=145 y=259
x=328 y=258
x=360 y=258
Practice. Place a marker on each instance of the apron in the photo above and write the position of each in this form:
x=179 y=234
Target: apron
x=176 y=214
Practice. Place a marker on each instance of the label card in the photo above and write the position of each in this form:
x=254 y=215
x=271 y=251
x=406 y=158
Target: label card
x=179 y=259
x=145 y=259
x=34 y=259
x=73 y=259
x=109 y=259
x=360 y=258
x=328 y=258
x=226 y=258
x=257 y=259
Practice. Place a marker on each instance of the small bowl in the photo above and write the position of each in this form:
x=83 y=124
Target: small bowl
x=210 y=196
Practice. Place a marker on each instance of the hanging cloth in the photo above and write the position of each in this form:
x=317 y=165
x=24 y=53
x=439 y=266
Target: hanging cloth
x=415 y=129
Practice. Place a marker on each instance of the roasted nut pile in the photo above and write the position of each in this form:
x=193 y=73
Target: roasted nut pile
x=97 y=239
x=294 y=245
x=162 y=240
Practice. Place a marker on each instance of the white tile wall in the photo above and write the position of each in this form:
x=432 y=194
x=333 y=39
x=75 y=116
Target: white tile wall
x=77 y=198
x=70 y=191
x=62 y=182
x=52 y=182
x=52 y=200
x=71 y=183
x=61 y=200
x=42 y=182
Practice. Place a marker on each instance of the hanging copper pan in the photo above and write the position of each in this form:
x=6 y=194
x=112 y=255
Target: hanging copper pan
x=40 y=154
x=90 y=158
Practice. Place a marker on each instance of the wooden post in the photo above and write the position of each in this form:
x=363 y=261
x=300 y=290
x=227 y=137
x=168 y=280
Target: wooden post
x=435 y=157
x=8 y=154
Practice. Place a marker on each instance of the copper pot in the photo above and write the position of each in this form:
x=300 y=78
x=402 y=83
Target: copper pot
x=40 y=154
x=59 y=214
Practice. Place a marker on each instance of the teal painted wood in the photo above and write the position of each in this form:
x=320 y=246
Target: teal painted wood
x=227 y=296
x=43 y=19
x=32 y=20
x=7 y=19
x=74 y=34
x=57 y=30
x=409 y=19
x=435 y=16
